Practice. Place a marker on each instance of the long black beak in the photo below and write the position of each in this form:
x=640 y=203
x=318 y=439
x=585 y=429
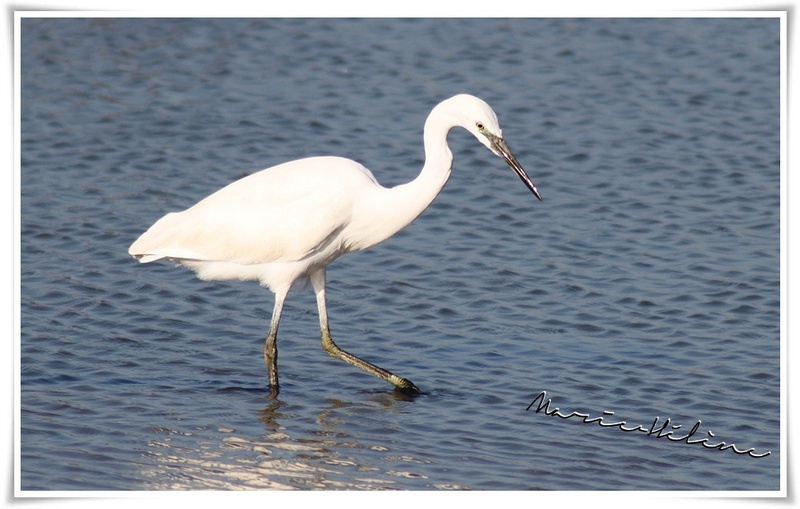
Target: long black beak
x=500 y=148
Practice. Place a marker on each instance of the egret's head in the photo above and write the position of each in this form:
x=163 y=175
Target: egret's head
x=478 y=118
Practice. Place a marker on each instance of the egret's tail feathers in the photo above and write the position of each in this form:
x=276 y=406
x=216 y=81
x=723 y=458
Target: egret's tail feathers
x=147 y=258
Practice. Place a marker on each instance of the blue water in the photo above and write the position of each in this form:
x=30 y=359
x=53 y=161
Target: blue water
x=645 y=284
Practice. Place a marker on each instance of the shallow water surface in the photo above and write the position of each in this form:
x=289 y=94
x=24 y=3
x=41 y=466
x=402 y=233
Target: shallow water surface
x=645 y=284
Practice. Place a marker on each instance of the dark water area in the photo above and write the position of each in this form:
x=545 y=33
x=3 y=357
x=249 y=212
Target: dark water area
x=646 y=284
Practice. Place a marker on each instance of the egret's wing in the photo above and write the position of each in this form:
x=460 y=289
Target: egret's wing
x=284 y=213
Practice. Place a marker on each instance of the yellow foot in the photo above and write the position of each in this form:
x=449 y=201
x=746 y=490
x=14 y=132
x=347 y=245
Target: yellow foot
x=405 y=386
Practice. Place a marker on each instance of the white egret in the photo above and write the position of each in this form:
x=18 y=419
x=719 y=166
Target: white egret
x=291 y=220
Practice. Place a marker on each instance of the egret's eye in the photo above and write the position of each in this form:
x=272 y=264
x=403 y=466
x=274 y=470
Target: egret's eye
x=479 y=125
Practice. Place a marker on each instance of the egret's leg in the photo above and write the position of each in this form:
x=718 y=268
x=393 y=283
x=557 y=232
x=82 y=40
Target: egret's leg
x=271 y=345
x=318 y=282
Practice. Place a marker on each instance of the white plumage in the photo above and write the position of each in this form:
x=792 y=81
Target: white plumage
x=291 y=220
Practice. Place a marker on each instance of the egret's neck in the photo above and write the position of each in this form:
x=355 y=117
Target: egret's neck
x=414 y=197
x=393 y=209
x=438 y=159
